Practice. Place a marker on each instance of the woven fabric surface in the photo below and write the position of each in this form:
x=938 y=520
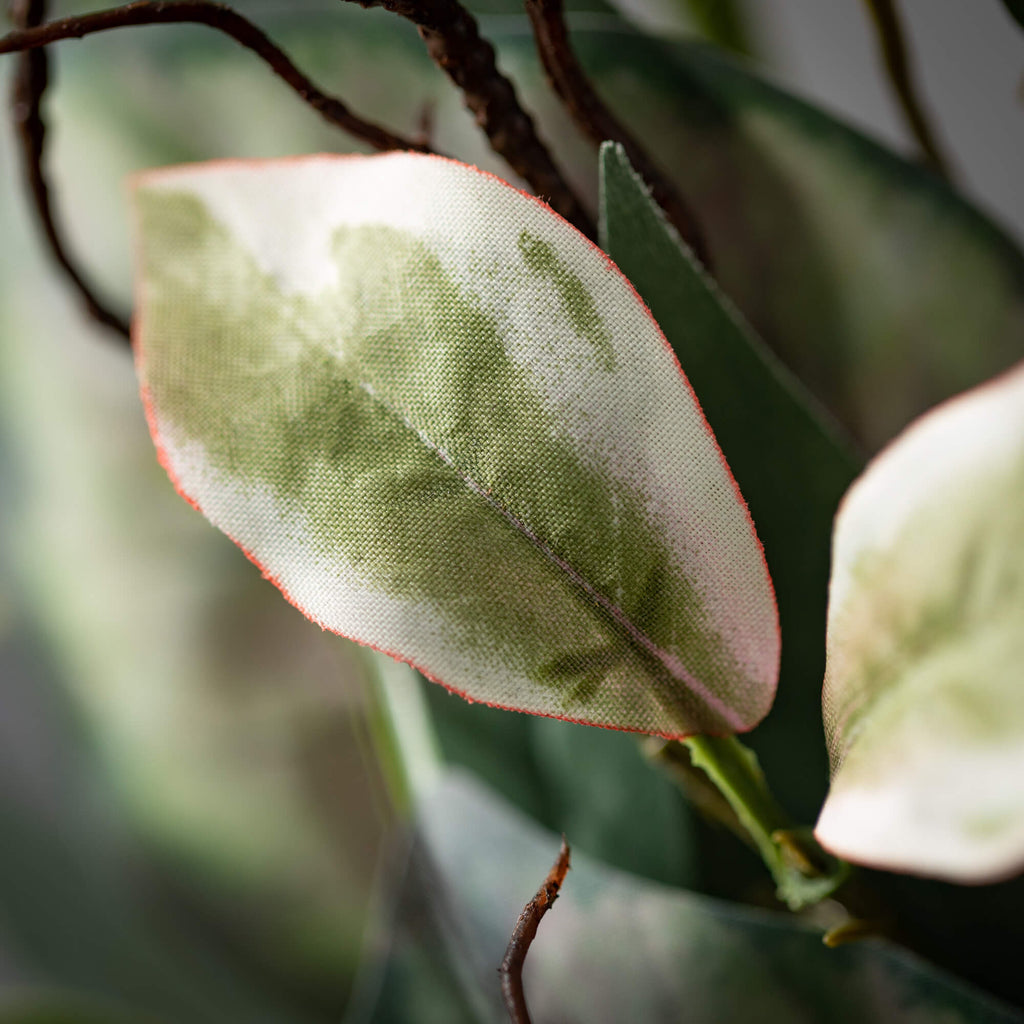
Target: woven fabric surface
x=444 y=424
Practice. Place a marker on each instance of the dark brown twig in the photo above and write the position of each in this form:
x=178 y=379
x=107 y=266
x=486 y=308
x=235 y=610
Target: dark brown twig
x=886 y=21
x=31 y=78
x=454 y=42
x=511 y=969
x=595 y=120
x=231 y=23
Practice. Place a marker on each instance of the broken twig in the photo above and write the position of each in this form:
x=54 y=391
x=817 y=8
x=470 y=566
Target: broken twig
x=511 y=968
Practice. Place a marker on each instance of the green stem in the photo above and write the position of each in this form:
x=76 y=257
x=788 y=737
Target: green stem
x=804 y=873
x=407 y=746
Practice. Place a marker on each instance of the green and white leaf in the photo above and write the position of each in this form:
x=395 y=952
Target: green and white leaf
x=445 y=425
x=924 y=687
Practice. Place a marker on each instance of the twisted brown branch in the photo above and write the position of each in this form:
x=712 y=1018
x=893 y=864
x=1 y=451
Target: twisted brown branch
x=595 y=120
x=33 y=33
x=231 y=23
x=511 y=969
x=454 y=42
x=31 y=78
x=886 y=21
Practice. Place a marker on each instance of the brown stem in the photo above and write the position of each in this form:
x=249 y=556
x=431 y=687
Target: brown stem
x=886 y=21
x=231 y=23
x=511 y=969
x=454 y=42
x=595 y=120
x=31 y=78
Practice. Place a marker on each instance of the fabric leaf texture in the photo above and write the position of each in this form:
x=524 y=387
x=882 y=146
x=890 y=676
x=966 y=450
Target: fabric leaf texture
x=444 y=424
x=924 y=702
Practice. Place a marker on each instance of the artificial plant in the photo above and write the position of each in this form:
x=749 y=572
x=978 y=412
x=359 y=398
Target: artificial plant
x=446 y=425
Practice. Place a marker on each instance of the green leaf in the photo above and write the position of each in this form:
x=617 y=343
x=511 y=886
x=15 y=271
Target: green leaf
x=924 y=706
x=444 y=425
x=594 y=783
x=616 y=948
x=63 y=1008
x=788 y=459
x=863 y=272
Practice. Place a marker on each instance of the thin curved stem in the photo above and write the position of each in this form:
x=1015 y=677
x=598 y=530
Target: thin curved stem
x=596 y=121
x=232 y=24
x=31 y=78
x=895 y=54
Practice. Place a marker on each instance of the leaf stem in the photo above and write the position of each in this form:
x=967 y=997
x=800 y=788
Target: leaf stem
x=804 y=873
x=407 y=745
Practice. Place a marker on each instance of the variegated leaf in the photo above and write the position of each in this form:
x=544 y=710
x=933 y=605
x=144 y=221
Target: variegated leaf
x=445 y=425
x=924 y=688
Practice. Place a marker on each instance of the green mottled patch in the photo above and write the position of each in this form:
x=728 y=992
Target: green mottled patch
x=790 y=466
x=543 y=260
x=931 y=640
x=378 y=411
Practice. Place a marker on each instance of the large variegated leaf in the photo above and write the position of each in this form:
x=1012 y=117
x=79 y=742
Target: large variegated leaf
x=924 y=688
x=445 y=425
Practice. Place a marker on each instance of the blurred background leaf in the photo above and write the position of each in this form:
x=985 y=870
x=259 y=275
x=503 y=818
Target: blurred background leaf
x=616 y=948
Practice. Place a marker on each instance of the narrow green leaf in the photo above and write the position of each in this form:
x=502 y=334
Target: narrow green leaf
x=788 y=459
x=616 y=948
x=444 y=424
x=924 y=702
x=862 y=271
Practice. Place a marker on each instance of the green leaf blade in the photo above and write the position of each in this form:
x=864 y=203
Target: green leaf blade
x=923 y=699
x=861 y=271
x=445 y=426
x=790 y=461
